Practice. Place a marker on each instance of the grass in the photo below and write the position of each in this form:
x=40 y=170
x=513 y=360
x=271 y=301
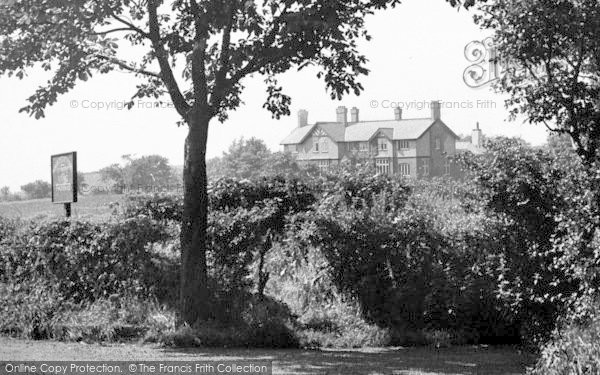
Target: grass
x=94 y=207
x=402 y=361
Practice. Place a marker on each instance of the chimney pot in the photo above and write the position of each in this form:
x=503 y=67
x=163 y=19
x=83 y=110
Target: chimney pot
x=302 y=118
x=476 y=136
x=436 y=110
x=342 y=115
x=354 y=115
x=398 y=113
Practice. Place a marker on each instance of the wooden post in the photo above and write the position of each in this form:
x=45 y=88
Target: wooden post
x=68 y=209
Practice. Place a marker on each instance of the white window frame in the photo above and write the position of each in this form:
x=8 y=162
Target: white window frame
x=382 y=166
x=364 y=146
x=403 y=145
x=323 y=165
x=404 y=169
x=382 y=144
x=316 y=145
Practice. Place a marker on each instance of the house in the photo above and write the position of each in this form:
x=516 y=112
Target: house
x=474 y=145
x=411 y=147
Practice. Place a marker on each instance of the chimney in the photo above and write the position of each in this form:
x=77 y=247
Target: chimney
x=476 y=136
x=342 y=115
x=302 y=118
x=398 y=113
x=436 y=110
x=354 y=115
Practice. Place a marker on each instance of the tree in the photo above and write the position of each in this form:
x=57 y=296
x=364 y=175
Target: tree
x=81 y=184
x=250 y=159
x=551 y=49
x=38 y=189
x=145 y=173
x=215 y=43
x=246 y=158
x=4 y=193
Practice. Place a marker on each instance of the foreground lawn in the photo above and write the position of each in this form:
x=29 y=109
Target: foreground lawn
x=398 y=361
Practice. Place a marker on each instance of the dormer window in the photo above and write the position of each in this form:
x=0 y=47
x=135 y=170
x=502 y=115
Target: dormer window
x=403 y=145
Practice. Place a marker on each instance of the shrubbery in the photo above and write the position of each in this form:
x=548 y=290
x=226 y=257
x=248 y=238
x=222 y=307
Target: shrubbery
x=84 y=261
x=348 y=258
x=574 y=349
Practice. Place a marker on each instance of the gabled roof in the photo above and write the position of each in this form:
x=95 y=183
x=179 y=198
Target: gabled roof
x=408 y=129
x=335 y=130
x=298 y=135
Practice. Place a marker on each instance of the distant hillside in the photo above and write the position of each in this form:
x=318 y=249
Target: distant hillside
x=93 y=180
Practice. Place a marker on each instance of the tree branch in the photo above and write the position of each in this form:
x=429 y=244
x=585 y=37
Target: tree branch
x=199 y=78
x=131 y=25
x=166 y=73
x=252 y=65
x=123 y=65
x=113 y=31
x=221 y=75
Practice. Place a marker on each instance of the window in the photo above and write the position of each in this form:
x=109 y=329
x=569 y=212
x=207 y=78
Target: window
x=364 y=146
x=447 y=166
x=382 y=144
x=404 y=169
x=438 y=144
x=316 y=145
x=323 y=164
x=403 y=145
x=324 y=145
x=425 y=167
x=382 y=166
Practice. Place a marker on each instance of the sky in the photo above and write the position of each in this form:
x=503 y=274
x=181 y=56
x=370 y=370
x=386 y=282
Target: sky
x=416 y=55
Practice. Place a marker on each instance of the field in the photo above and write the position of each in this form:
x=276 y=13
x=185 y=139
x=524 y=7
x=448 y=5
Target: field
x=400 y=361
x=93 y=207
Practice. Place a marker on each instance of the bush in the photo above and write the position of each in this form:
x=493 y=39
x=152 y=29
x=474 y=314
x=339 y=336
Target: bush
x=29 y=309
x=523 y=190
x=85 y=261
x=408 y=272
x=263 y=324
x=573 y=350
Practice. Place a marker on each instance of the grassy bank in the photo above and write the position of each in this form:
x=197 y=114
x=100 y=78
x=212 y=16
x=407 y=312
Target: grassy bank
x=413 y=361
x=91 y=207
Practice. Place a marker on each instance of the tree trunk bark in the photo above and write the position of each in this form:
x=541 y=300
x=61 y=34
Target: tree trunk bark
x=194 y=294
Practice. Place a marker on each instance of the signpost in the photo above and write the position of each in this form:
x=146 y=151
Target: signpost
x=64 y=179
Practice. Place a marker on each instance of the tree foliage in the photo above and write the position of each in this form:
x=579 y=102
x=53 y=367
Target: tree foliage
x=37 y=189
x=144 y=173
x=551 y=50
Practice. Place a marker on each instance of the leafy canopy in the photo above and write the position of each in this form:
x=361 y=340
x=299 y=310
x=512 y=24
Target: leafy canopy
x=195 y=51
x=552 y=50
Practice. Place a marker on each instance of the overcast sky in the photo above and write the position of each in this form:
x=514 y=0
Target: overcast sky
x=416 y=55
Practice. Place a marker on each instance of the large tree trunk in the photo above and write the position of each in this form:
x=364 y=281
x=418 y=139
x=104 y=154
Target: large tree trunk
x=194 y=296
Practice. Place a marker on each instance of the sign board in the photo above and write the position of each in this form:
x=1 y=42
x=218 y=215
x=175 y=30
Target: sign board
x=64 y=177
